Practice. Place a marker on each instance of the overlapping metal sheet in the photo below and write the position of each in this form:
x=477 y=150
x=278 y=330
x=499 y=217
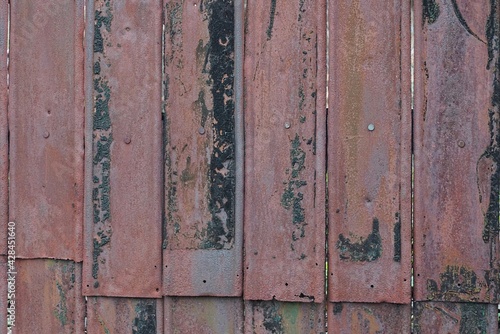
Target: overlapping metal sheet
x=4 y=144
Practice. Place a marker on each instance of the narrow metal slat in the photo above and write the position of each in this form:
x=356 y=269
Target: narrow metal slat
x=369 y=152
x=123 y=166
x=46 y=127
x=4 y=145
x=285 y=89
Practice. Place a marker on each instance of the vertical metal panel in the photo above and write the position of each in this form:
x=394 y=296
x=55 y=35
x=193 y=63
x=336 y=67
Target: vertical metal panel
x=48 y=297
x=123 y=216
x=4 y=144
x=369 y=151
x=204 y=315
x=455 y=318
x=457 y=154
x=345 y=318
x=203 y=232
x=285 y=81
x=269 y=317
x=106 y=315
x=46 y=127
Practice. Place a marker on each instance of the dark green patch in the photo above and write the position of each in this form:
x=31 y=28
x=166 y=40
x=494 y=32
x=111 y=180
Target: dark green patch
x=292 y=198
x=273 y=320
x=145 y=318
x=102 y=19
x=173 y=22
x=456 y=284
x=220 y=230
x=301 y=9
x=272 y=13
x=474 y=318
x=302 y=97
x=337 y=308
x=430 y=11
x=202 y=107
x=61 y=310
x=397 y=239
x=102 y=240
x=363 y=250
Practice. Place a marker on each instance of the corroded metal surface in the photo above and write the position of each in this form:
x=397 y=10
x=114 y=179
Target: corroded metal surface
x=4 y=145
x=455 y=318
x=202 y=232
x=457 y=152
x=369 y=152
x=46 y=127
x=345 y=318
x=285 y=80
x=107 y=315
x=48 y=297
x=204 y=315
x=123 y=216
x=269 y=317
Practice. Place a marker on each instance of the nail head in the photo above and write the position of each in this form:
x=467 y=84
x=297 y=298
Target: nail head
x=127 y=140
x=461 y=143
x=287 y=125
x=371 y=127
x=201 y=130
x=46 y=134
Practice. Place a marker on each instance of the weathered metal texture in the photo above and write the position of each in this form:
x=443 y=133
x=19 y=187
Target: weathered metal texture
x=48 y=297
x=204 y=315
x=269 y=317
x=285 y=115
x=457 y=152
x=46 y=127
x=3 y=292
x=455 y=318
x=4 y=143
x=106 y=315
x=124 y=194
x=369 y=152
x=202 y=231
x=345 y=318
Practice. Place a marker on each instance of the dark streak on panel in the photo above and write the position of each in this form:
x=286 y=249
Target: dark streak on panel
x=397 y=239
x=363 y=250
x=220 y=230
x=430 y=11
x=145 y=319
x=457 y=284
x=102 y=140
x=462 y=21
x=272 y=14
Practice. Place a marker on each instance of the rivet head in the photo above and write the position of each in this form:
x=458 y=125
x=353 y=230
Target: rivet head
x=287 y=125
x=127 y=140
x=461 y=143
x=46 y=134
x=371 y=127
x=201 y=130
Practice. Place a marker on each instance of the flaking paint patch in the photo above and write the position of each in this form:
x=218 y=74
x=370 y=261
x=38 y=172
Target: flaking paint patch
x=61 y=309
x=272 y=14
x=337 y=308
x=430 y=11
x=273 y=320
x=145 y=318
x=102 y=138
x=292 y=198
x=457 y=283
x=361 y=250
x=474 y=318
x=397 y=238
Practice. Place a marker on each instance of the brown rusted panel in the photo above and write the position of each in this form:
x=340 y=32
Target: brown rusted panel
x=124 y=194
x=345 y=318
x=269 y=317
x=455 y=318
x=48 y=297
x=369 y=152
x=106 y=315
x=46 y=127
x=204 y=315
x=202 y=232
x=4 y=144
x=285 y=80
x=457 y=153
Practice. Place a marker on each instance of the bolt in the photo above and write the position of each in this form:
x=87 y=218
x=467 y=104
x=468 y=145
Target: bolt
x=201 y=130
x=46 y=134
x=371 y=127
x=287 y=125
x=461 y=144
x=127 y=140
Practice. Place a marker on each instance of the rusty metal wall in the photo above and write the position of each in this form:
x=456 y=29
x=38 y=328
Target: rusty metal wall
x=285 y=85
x=345 y=318
x=457 y=155
x=204 y=315
x=269 y=317
x=108 y=315
x=202 y=230
x=46 y=127
x=124 y=137
x=459 y=318
x=369 y=151
x=49 y=297
x=4 y=144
